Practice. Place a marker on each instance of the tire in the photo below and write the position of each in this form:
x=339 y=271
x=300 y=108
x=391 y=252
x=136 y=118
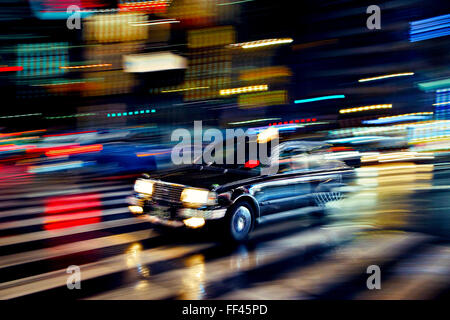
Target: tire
x=239 y=222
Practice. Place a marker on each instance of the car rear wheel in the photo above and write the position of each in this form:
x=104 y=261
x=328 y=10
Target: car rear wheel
x=239 y=222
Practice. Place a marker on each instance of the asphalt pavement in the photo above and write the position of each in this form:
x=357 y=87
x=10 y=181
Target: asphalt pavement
x=48 y=223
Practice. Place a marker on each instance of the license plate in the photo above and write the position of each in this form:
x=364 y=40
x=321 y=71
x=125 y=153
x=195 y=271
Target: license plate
x=161 y=212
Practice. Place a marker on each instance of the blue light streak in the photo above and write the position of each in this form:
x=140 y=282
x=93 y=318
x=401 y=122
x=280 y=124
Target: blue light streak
x=338 y=96
x=429 y=28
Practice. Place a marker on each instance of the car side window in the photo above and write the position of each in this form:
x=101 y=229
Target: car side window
x=319 y=162
x=296 y=159
x=292 y=159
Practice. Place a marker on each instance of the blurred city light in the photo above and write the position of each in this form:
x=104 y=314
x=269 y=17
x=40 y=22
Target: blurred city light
x=365 y=108
x=244 y=89
x=261 y=43
x=430 y=28
x=387 y=76
x=338 y=96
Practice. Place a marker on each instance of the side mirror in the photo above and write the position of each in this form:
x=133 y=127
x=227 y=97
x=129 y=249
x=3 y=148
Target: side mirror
x=145 y=176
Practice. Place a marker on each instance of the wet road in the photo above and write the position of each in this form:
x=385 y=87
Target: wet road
x=397 y=219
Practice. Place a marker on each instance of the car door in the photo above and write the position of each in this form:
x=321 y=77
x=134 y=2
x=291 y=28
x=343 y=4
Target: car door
x=289 y=188
x=325 y=174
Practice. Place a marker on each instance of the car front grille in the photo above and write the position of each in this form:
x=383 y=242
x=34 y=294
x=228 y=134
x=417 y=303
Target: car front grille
x=167 y=192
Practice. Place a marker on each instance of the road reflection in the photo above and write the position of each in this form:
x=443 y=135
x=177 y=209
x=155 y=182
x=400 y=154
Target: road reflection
x=193 y=279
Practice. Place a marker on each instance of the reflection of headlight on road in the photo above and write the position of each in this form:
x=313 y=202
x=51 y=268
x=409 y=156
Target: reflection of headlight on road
x=143 y=186
x=193 y=280
x=198 y=197
x=133 y=255
x=194 y=222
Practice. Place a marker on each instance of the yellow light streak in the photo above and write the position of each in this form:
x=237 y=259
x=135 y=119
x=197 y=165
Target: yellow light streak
x=387 y=76
x=366 y=108
x=226 y=92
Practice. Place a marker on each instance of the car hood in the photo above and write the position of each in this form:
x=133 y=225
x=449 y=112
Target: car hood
x=202 y=176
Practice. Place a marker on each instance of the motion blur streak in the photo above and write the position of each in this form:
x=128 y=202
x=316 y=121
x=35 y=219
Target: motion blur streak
x=339 y=96
x=72 y=205
x=74 y=150
x=67 y=134
x=8 y=69
x=387 y=76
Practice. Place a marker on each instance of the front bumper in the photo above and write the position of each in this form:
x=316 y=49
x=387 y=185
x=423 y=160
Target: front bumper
x=171 y=216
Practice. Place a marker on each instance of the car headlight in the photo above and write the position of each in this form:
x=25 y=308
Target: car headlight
x=143 y=186
x=198 y=197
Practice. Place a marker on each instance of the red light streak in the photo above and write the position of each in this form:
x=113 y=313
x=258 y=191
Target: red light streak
x=74 y=150
x=8 y=69
x=72 y=206
x=334 y=149
x=294 y=121
x=70 y=223
x=77 y=203
x=12 y=134
x=11 y=147
x=151 y=154
x=46 y=149
x=146 y=6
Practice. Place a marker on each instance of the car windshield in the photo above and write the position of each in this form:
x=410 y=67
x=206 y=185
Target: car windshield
x=247 y=154
x=237 y=153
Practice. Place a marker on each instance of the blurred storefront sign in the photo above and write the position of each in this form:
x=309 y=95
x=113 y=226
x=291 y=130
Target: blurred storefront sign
x=209 y=62
x=115 y=27
x=262 y=99
x=151 y=62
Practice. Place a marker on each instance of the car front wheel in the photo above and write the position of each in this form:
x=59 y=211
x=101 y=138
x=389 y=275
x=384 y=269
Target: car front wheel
x=239 y=222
